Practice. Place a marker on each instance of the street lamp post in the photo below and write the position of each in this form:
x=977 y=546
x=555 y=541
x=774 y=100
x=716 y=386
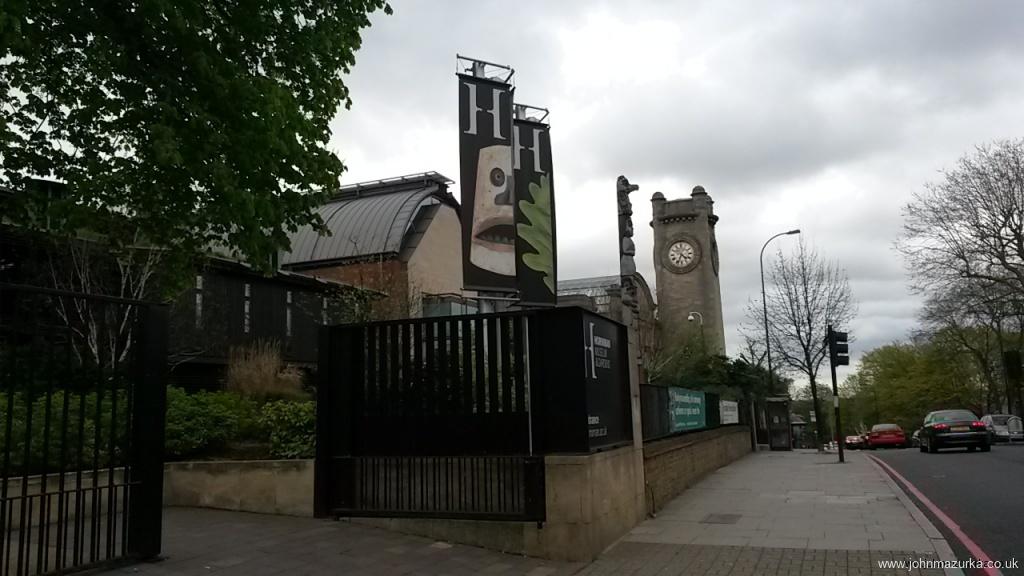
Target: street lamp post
x=764 y=303
x=700 y=317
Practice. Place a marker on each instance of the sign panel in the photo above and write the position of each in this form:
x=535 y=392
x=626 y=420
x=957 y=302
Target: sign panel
x=607 y=383
x=730 y=411
x=536 y=251
x=485 y=153
x=686 y=409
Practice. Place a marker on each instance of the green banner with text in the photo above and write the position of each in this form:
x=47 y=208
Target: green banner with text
x=687 y=409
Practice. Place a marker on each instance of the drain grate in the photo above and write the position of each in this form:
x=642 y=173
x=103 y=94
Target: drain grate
x=721 y=519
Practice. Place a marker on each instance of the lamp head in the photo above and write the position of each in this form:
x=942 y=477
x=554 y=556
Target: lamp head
x=795 y=231
x=689 y=317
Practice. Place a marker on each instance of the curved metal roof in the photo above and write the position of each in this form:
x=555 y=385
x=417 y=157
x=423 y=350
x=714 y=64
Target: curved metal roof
x=367 y=219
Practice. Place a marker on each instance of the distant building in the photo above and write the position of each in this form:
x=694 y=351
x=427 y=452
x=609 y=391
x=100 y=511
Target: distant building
x=603 y=295
x=400 y=236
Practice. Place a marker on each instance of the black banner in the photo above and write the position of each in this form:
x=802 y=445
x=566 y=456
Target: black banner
x=485 y=152
x=536 y=250
x=607 y=377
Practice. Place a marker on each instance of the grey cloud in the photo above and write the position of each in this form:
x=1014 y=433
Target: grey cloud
x=872 y=98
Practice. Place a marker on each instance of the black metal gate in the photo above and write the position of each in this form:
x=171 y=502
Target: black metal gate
x=81 y=436
x=430 y=417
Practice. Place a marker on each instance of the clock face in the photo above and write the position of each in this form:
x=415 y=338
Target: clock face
x=681 y=254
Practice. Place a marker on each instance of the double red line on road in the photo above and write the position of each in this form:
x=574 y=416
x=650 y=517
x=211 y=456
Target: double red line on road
x=948 y=522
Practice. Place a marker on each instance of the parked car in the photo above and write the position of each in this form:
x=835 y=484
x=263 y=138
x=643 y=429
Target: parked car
x=1003 y=427
x=886 y=435
x=854 y=442
x=915 y=438
x=954 y=428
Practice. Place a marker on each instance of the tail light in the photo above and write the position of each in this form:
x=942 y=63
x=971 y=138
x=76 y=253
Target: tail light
x=977 y=424
x=940 y=426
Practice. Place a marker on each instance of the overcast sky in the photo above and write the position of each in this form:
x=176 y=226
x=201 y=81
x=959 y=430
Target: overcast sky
x=825 y=116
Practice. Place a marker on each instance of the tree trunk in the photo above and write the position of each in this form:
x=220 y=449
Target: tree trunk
x=819 y=421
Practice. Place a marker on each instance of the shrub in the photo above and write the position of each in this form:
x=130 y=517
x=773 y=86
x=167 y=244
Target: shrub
x=61 y=441
x=257 y=371
x=204 y=422
x=292 y=428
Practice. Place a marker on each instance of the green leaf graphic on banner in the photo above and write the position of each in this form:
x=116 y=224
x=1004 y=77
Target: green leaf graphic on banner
x=538 y=232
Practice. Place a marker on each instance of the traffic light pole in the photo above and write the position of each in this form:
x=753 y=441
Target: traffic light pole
x=835 y=397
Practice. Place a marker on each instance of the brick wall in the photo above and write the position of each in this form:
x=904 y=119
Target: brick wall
x=387 y=276
x=672 y=465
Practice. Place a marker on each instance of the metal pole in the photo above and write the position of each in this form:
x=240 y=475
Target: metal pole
x=764 y=303
x=835 y=398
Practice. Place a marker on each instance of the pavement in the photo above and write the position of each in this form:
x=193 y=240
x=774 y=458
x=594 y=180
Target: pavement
x=981 y=492
x=768 y=513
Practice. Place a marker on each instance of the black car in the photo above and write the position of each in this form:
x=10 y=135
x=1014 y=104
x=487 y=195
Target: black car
x=953 y=428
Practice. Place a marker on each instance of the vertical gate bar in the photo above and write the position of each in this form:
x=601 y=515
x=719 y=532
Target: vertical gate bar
x=535 y=385
x=493 y=400
x=383 y=377
x=395 y=365
x=405 y=379
x=26 y=465
x=145 y=501
x=61 y=527
x=78 y=552
x=26 y=529
x=461 y=504
x=519 y=363
x=111 y=460
x=128 y=443
x=94 y=520
x=480 y=366
x=442 y=396
x=370 y=397
x=454 y=376
x=466 y=368
x=9 y=373
x=44 y=541
x=429 y=379
x=416 y=384
x=506 y=364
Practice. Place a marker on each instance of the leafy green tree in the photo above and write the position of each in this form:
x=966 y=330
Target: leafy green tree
x=200 y=122
x=900 y=383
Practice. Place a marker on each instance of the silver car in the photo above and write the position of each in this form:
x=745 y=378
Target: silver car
x=1004 y=427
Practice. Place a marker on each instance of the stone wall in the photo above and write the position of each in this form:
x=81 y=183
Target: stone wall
x=590 y=503
x=674 y=464
x=265 y=486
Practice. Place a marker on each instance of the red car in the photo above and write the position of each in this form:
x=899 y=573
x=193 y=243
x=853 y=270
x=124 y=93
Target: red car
x=883 y=435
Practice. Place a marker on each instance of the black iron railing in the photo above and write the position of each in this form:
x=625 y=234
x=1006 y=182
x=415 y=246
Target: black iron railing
x=81 y=402
x=480 y=487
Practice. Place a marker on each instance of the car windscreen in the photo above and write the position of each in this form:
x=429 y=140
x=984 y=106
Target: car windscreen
x=884 y=428
x=953 y=415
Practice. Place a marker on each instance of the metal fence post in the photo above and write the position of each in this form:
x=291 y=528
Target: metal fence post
x=148 y=415
x=322 y=462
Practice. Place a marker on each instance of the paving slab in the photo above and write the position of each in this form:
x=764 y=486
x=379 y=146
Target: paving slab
x=791 y=498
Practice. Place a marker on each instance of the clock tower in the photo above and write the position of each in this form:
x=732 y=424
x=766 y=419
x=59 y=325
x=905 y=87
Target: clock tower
x=686 y=269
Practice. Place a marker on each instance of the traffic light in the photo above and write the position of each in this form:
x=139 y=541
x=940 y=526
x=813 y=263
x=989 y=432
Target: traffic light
x=838 y=347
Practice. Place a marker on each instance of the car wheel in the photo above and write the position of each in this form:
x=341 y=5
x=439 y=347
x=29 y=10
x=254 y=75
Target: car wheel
x=931 y=448
x=921 y=447
x=986 y=447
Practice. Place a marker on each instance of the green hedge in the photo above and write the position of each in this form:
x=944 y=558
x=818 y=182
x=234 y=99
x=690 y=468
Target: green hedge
x=52 y=441
x=208 y=424
x=199 y=425
x=292 y=428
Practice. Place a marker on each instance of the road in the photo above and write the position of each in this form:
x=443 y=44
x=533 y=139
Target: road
x=982 y=492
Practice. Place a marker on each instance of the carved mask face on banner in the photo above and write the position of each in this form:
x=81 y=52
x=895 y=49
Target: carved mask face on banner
x=492 y=245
